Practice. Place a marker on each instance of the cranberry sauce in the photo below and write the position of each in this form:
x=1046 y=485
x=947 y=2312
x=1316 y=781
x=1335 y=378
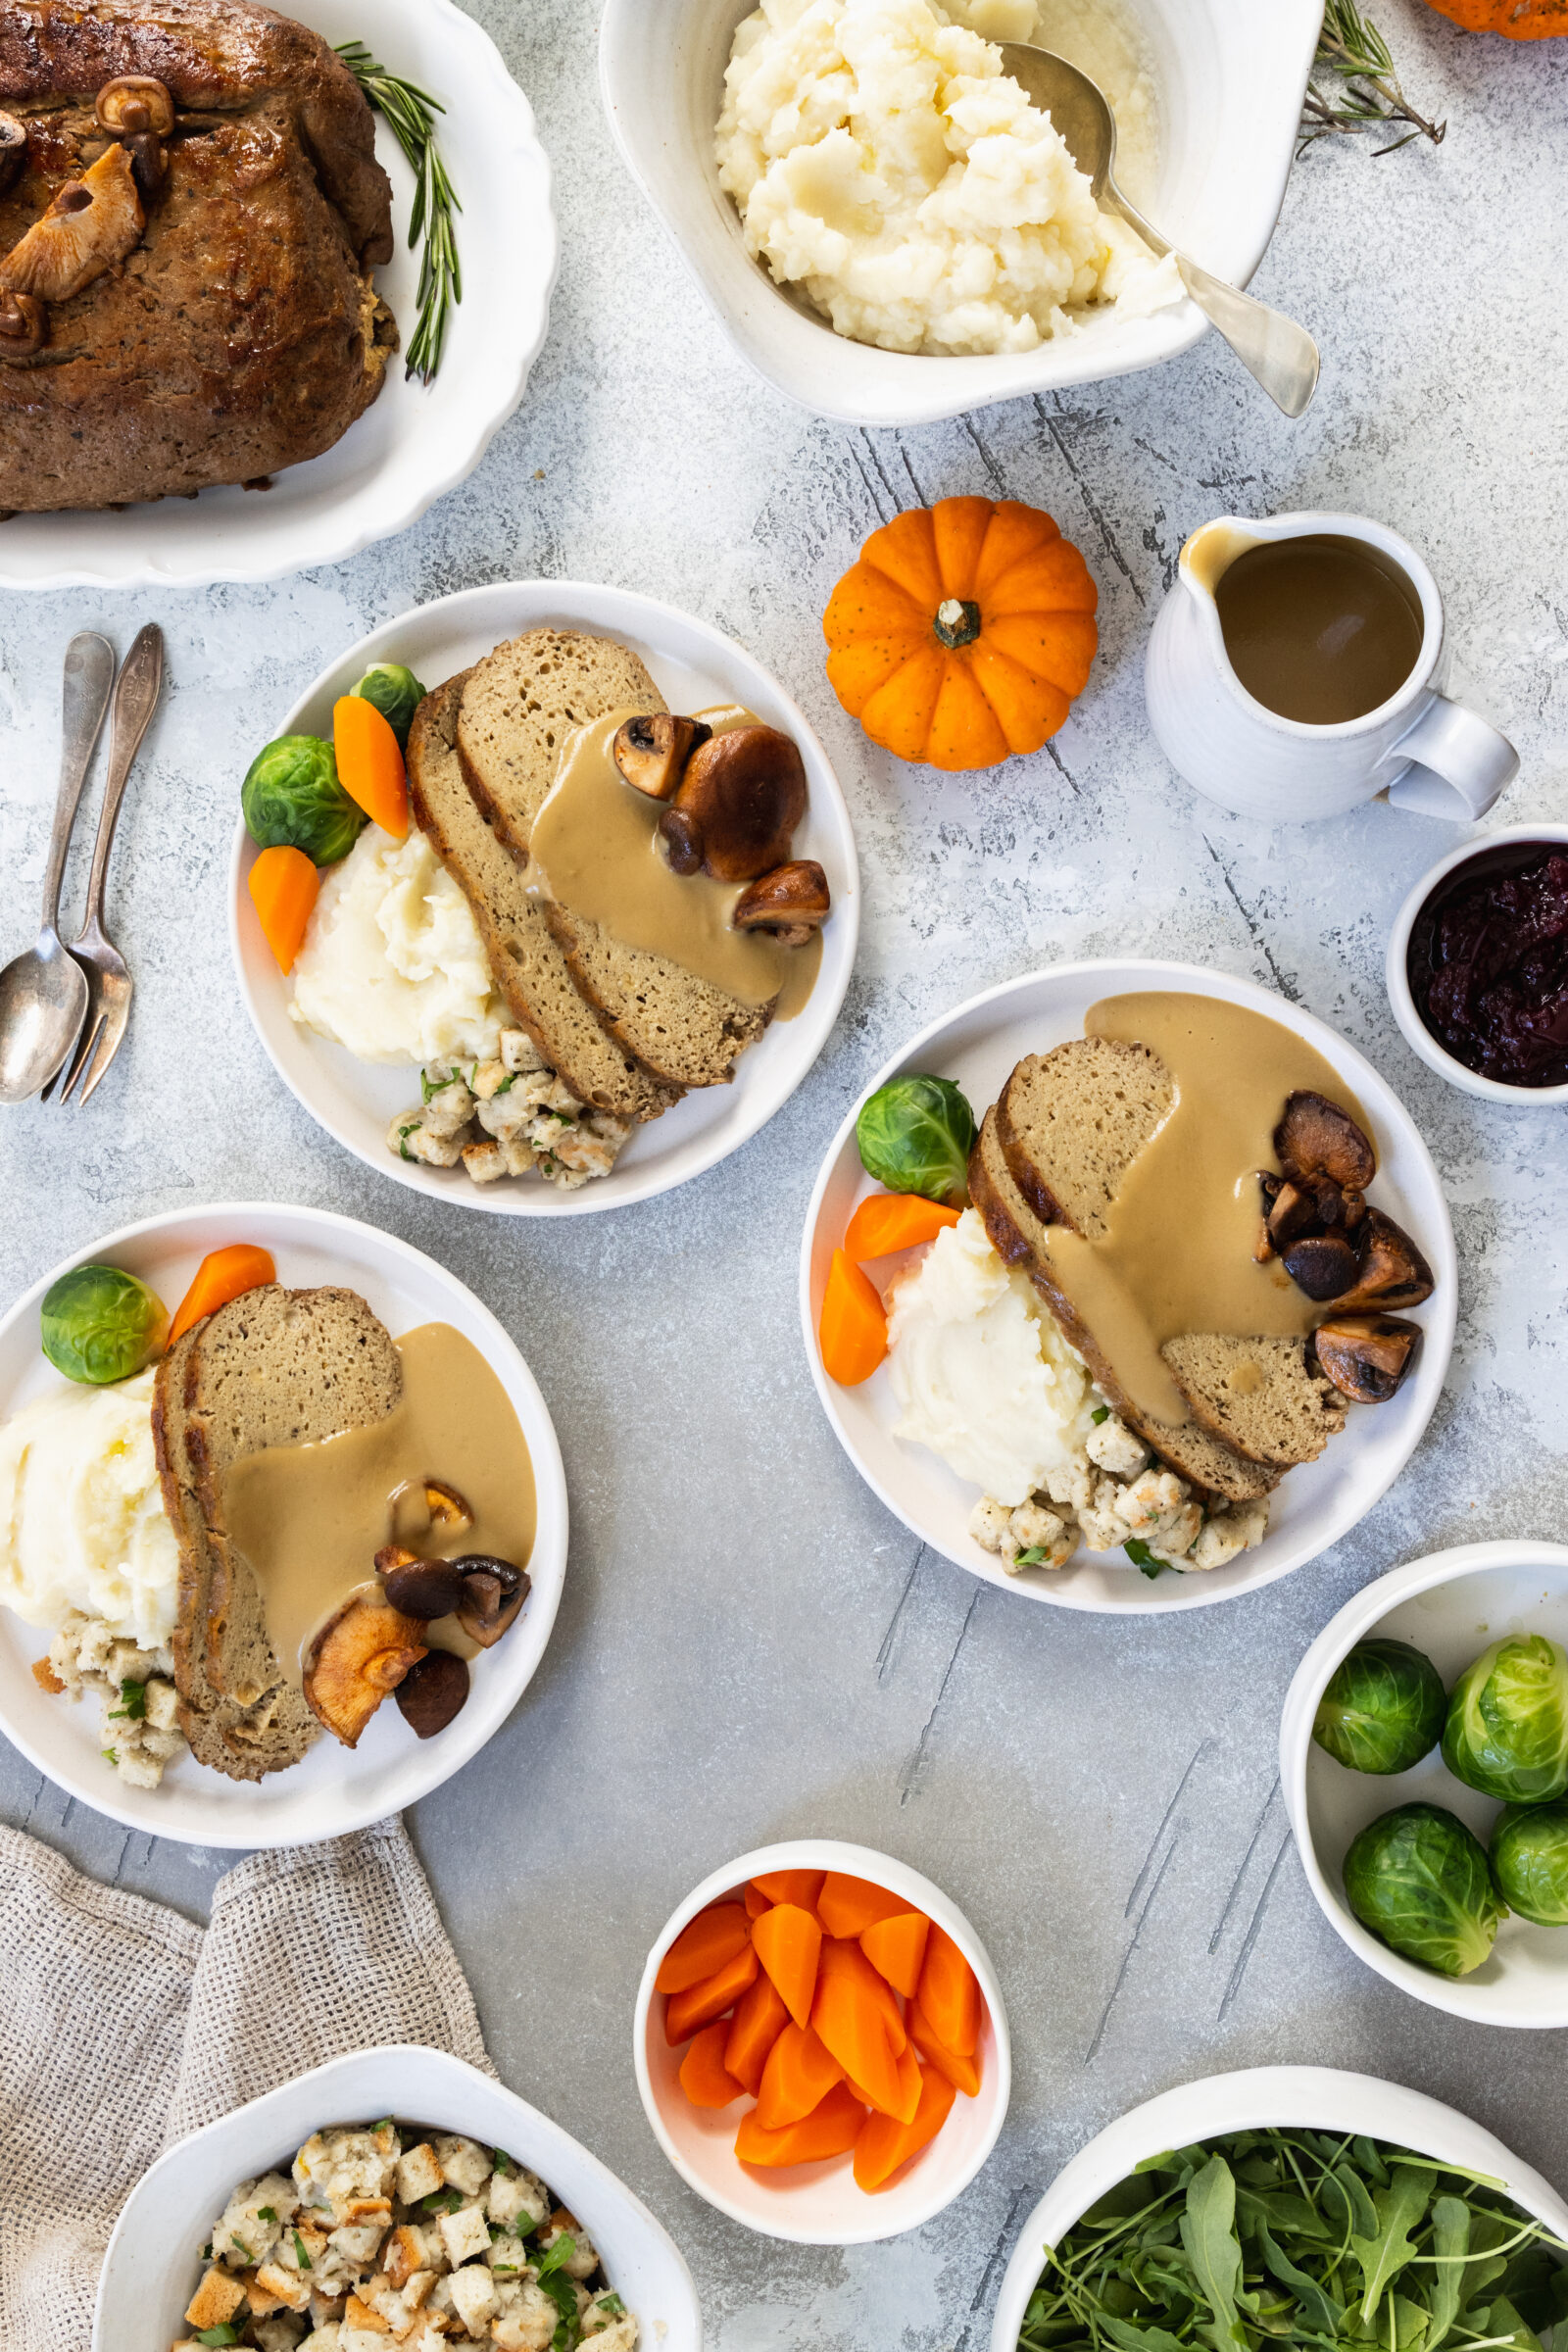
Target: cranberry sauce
x=1488 y=963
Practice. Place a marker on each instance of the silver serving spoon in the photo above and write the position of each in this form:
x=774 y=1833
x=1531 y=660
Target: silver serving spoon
x=43 y=994
x=1281 y=355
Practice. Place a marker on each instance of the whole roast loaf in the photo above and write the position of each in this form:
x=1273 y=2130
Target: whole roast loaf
x=190 y=208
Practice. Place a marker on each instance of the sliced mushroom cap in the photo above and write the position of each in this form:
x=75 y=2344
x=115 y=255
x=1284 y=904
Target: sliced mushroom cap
x=433 y=1691
x=13 y=148
x=1316 y=1137
x=1391 y=1272
x=493 y=1592
x=92 y=223
x=361 y=1654
x=24 y=324
x=135 y=102
x=792 y=901
x=652 y=752
x=742 y=796
x=1292 y=1210
x=422 y=1589
x=1322 y=1264
x=1365 y=1356
x=447 y=1508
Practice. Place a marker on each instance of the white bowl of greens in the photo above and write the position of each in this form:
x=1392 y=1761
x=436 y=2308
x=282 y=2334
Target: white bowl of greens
x=1370 y=2194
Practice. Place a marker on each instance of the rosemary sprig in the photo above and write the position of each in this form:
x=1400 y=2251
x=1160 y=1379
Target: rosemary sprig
x=410 y=114
x=1360 y=90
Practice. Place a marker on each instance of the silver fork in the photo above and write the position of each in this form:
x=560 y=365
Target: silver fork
x=109 y=985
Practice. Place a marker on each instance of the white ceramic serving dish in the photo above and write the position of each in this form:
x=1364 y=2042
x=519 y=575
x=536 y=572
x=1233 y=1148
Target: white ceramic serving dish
x=819 y=2204
x=1417 y=1036
x=416 y=441
x=1230 y=78
x=977 y=1045
x=332 y=1788
x=694 y=665
x=1451 y=1606
x=154 y=2259
x=1315 y=2099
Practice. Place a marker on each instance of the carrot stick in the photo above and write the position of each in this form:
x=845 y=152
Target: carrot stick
x=800 y=2073
x=686 y=2013
x=962 y=2073
x=702 y=2074
x=755 y=1901
x=370 y=763
x=830 y=2130
x=848 y=1906
x=801 y=1886
x=222 y=1275
x=788 y=1941
x=703 y=1945
x=847 y=2015
x=884 y=2145
x=284 y=887
x=889 y=1221
x=760 y=2017
x=949 y=1994
x=853 y=1333
x=895 y=1947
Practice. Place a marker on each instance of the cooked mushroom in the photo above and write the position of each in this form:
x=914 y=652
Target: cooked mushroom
x=431 y=1692
x=13 y=148
x=421 y=1588
x=1291 y=1212
x=493 y=1592
x=92 y=223
x=792 y=901
x=361 y=1654
x=1316 y=1137
x=24 y=324
x=1322 y=1264
x=652 y=752
x=739 y=803
x=1365 y=1356
x=1391 y=1269
x=446 y=1507
x=135 y=102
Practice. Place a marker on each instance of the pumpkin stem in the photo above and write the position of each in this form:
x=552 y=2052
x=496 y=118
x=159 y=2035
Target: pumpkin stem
x=957 y=623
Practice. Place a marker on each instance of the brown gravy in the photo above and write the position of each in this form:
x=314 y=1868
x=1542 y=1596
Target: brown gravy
x=1177 y=1254
x=311 y=1519
x=595 y=849
x=1320 y=630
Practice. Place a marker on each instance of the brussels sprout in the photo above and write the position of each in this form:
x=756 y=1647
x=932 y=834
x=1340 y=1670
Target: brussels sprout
x=1420 y=1881
x=1530 y=1862
x=101 y=1325
x=914 y=1136
x=292 y=800
x=1507 y=1727
x=396 y=693
x=1383 y=1709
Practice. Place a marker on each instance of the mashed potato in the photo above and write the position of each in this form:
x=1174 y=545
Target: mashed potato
x=393 y=967
x=882 y=162
x=82 y=1520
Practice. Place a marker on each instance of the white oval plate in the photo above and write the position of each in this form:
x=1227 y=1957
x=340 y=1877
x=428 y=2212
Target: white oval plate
x=1317 y=1503
x=694 y=664
x=1452 y=1604
x=414 y=441
x=332 y=1788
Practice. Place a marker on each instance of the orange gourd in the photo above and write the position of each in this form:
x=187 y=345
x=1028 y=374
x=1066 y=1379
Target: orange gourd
x=963 y=634
x=801 y=1886
x=830 y=2130
x=787 y=1941
x=1515 y=19
x=848 y=1906
x=284 y=887
x=949 y=1994
x=703 y=1945
x=884 y=2143
x=222 y=1275
x=889 y=1221
x=962 y=2073
x=686 y=2013
x=704 y=2077
x=760 y=2017
x=896 y=1948
x=370 y=763
x=848 y=2015
x=800 y=2073
x=853 y=1333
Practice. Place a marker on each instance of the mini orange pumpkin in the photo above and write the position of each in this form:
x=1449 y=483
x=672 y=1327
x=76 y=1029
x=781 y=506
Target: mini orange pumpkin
x=963 y=632
x=1515 y=19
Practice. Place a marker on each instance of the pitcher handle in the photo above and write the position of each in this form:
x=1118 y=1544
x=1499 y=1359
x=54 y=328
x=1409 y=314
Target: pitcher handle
x=1461 y=763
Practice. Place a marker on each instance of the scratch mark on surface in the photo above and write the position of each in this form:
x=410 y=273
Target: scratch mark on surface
x=1112 y=545
x=1198 y=1753
x=876 y=502
x=1253 y=929
x=1003 y=2240
x=884 y=1656
x=1132 y=1946
x=119 y=1859
x=909 y=1776
x=910 y=471
x=881 y=472
x=1061 y=765
x=986 y=458
x=1159 y=455
x=1247 y=1864
x=1250 y=1938
x=70 y=1804
x=33 y=1801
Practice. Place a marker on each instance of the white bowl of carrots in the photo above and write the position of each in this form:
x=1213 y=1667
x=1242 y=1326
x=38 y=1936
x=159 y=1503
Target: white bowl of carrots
x=820 y=2044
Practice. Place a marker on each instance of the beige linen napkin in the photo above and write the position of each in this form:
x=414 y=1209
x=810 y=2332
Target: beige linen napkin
x=123 y=2027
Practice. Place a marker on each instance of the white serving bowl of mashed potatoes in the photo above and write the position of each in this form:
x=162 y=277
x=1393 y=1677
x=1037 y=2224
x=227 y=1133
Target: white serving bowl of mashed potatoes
x=889 y=233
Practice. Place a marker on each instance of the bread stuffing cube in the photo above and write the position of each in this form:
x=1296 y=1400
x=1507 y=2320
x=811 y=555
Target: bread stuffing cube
x=528 y=2320
x=515 y=2191
x=419 y=2174
x=290 y=2286
x=360 y=2315
x=583 y=2261
x=464 y=2234
x=473 y=2291
x=216 y=2301
x=463 y=2163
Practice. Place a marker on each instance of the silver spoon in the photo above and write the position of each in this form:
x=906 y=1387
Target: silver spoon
x=1281 y=355
x=43 y=994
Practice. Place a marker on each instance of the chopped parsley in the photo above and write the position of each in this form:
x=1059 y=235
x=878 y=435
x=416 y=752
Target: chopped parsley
x=110 y=1756
x=1030 y=1559
x=441 y=2200
x=500 y=2161
x=300 y=2255
x=505 y=1088
x=132 y=1702
x=561 y=2291
x=264 y=2213
x=611 y=2306
x=207 y=2252
x=218 y=2336
x=240 y=2248
x=1102 y=1413
x=404 y=1134
x=1139 y=1554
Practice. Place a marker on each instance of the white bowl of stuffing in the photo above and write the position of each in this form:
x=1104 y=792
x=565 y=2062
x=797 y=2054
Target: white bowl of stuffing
x=396 y=2196
x=889 y=233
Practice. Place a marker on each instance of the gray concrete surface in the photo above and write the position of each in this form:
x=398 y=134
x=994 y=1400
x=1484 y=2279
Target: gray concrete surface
x=750 y=1648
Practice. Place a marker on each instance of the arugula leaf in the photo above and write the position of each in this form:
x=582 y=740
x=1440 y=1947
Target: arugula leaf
x=1209 y=2234
x=1140 y=2339
x=1400 y=2208
x=1320 y=2307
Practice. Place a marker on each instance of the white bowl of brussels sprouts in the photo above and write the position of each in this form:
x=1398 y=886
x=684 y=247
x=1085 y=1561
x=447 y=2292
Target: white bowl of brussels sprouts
x=1424 y=1759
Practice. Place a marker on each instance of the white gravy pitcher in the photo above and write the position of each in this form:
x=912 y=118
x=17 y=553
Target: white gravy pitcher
x=1427 y=753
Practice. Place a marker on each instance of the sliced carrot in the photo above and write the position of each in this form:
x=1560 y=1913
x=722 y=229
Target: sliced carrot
x=890 y=1221
x=370 y=763
x=949 y=1994
x=895 y=1947
x=686 y=2013
x=284 y=887
x=759 y=2019
x=705 y=1944
x=962 y=2073
x=222 y=1275
x=788 y=1941
x=901 y=2101
x=884 y=2143
x=755 y=1901
x=848 y=2015
x=703 y=2074
x=801 y=1886
x=830 y=2130
x=800 y=2073
x=849 y=1906
x=853 y=1333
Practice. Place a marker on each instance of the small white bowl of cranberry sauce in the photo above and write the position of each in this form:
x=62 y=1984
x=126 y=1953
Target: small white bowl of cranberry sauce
x=1478 y=968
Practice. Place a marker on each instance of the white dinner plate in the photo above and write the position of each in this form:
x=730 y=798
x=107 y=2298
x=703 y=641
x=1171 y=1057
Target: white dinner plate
x=416 y=441
x=332 y=1788
x=693 y=666
x=1315 y=1504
